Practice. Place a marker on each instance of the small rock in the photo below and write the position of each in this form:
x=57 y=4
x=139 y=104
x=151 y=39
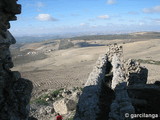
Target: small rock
x=49 y=109
x=47 y=99
x=42 y=111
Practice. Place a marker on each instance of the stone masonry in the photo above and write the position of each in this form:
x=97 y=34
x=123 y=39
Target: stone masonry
x=122 y=103
x=116 y=89
x=15 y=92
x=87 y=108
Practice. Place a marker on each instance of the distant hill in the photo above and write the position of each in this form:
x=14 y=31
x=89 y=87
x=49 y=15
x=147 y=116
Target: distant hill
x=33 y=39
x=81 y=36
x=137 y=35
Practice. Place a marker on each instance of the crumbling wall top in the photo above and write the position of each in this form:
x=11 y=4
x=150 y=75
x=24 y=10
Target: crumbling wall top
x=8 y=10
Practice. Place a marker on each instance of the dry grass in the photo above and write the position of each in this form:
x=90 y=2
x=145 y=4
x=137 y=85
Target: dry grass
x=71 y=67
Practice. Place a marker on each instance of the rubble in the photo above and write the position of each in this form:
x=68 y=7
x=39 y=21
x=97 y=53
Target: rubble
x=64 y=103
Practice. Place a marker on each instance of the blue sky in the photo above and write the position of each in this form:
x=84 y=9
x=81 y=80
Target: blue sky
x=69 y=16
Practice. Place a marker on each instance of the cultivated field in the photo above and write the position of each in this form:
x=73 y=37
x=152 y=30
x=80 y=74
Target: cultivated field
x=53 y=69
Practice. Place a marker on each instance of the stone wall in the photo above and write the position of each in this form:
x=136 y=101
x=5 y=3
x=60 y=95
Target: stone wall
x=15 y=92
x=88 y=105
x=116 y=87
x=122 y=103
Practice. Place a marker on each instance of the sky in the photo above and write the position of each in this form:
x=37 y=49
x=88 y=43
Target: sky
x=76 y=16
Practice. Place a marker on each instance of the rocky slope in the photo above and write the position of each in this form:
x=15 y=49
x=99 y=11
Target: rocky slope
x=62 y=101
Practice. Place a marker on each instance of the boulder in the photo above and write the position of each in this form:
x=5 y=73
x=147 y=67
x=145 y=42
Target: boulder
x=64 y=105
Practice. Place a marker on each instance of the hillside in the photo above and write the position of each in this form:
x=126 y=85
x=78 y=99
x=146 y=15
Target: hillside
x=50 y=68
x=130 y=36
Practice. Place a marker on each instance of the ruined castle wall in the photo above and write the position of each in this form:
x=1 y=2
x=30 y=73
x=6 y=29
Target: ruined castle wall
x=122 y=103
x=15 y=92
x=87 y=108
x=122 y=85
x=97 y=75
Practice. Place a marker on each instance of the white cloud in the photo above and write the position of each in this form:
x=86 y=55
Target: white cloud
x=157 y=20
x=83 y=24
x=104 y=17
x=155 y=9
x=110 y=2
x=45 y=17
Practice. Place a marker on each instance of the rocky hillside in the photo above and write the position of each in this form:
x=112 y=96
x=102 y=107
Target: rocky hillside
x=62 y=101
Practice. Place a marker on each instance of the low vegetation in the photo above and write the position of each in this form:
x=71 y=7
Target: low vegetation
x=149 y=61
x=39 y=101
x=42 y=99
x=26 y=56
x=70 y=119
x=65 y=44
x=56 y=92
x=149 y=35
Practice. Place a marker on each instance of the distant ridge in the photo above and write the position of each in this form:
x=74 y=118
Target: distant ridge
x=136 y=35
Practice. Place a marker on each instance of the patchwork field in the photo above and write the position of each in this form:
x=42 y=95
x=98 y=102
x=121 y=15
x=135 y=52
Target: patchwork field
x=52 y=69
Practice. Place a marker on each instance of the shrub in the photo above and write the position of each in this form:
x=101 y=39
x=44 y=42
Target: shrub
x=42 y=99
x=39 y=101
x=149 y=61
x=56 y=92
x=70 y=119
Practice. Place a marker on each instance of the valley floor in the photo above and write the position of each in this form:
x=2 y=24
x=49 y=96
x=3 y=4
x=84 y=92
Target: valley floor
x=71 y=67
